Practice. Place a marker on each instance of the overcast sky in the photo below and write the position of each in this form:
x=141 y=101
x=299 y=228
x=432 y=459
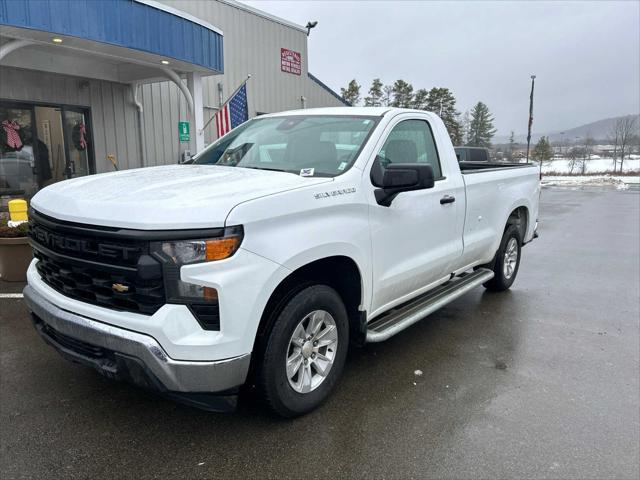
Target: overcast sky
x=586 y=55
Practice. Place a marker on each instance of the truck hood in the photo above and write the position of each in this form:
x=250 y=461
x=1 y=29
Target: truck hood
x=170 y=197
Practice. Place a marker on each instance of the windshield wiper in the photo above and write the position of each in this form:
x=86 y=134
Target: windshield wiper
x=269 y=169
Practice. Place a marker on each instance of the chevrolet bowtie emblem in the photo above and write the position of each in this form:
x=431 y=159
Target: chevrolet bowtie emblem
x=118 y=287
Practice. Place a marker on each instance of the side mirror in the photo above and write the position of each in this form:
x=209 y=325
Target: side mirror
x=399 y=177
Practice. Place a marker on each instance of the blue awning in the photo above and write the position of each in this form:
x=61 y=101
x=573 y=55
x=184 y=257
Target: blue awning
x=138 y=25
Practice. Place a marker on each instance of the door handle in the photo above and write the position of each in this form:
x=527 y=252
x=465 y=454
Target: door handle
x=447 y=199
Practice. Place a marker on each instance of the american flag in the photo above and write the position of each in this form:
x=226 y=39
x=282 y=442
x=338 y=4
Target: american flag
x=233 y=113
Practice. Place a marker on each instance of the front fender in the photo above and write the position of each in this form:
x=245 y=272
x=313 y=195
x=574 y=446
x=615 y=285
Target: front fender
x=298 y=227
x=336 y=249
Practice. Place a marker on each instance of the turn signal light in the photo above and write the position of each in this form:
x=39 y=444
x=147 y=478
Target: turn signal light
x=222 y=247
x=209 y=293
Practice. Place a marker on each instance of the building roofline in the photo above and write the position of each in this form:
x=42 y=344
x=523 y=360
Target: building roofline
x=329 y=90
x=179 y=13
x=263 y=14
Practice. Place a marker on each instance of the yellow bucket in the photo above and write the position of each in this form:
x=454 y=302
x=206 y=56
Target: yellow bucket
x=18 y=210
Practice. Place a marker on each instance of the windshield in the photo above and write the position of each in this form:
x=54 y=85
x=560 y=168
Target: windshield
x=307 y=145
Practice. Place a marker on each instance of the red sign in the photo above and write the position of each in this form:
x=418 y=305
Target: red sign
x=290 y=61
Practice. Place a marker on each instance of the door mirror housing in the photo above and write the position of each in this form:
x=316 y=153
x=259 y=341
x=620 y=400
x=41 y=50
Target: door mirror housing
x=399 y=177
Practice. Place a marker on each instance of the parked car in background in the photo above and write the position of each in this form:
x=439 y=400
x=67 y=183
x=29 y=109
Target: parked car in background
x=289 y=239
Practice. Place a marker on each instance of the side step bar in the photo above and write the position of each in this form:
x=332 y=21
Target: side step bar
x=415 y=310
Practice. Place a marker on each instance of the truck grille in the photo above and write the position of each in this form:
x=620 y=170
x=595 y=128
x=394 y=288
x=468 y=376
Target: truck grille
x=92 y=264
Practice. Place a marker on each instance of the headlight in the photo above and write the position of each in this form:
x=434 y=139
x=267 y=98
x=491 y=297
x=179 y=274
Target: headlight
x=176 y=253
x=185 y=252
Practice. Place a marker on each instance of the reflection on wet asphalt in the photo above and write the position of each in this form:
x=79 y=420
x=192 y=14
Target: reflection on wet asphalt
x=540 y=381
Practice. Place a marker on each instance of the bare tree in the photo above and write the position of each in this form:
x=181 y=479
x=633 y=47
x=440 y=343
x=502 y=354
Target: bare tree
x=574 y=159
x=614 y=139
x=587 y=151
x=624 y=131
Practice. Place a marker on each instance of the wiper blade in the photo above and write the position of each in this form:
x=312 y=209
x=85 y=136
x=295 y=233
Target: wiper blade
x=269 y=169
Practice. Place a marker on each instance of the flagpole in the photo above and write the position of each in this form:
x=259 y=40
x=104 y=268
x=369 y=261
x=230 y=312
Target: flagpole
x=533 y=80
x=226 y=101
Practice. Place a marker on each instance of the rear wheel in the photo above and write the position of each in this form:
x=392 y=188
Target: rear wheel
x=305 y=351
x=507 y=261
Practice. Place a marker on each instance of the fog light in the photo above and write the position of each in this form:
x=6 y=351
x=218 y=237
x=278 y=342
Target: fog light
x=207 y=314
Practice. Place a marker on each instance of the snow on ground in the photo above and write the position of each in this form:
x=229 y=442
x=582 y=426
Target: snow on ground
x=558 y=172
x=593 y=165
x=621 y=182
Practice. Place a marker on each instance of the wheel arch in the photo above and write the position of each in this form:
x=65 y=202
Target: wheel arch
x=519 y=216
x=340 y=272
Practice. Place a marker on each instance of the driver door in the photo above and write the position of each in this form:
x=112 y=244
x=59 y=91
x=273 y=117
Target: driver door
x=415 y=240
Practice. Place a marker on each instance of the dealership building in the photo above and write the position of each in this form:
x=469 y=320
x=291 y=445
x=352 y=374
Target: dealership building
x=90 y=86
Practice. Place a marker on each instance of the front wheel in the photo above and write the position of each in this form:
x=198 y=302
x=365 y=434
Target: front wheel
x=507 y=261
x=305 y=351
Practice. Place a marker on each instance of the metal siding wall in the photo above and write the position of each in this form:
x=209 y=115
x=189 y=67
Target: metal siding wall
x=113 y=117
x=251 y=46
x=164 y=106
x=317 y=96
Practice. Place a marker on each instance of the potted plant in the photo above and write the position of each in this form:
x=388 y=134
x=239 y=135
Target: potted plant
x=15 y=252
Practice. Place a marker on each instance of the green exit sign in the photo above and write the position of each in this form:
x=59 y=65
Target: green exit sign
x=183 y=131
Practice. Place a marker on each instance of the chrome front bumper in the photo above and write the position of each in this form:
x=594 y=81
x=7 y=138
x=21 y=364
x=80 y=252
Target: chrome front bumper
x=131 y=356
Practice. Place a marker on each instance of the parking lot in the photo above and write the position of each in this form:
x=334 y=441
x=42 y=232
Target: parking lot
x=539 y=382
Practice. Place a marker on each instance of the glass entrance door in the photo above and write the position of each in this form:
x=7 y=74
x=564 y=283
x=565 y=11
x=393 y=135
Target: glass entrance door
x=42 y=144
x=77 y=141
x=51 y=159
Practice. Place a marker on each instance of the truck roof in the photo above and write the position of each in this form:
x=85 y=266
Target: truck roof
x=367 y=111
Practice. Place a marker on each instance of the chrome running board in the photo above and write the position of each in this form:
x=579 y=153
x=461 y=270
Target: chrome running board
x=399 y=318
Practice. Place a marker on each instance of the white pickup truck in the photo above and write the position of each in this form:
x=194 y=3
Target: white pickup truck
x=289 y=239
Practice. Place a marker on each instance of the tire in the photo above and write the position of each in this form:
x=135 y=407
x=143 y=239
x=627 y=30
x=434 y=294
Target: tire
x=293 y=392
x=504 y=268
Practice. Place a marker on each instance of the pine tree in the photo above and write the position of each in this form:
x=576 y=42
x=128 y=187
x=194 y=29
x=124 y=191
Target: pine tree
x=442 y=102
x=481 y=129
x=351 y=94
x=402 y=94
x=455 y=132
x=420 y=99
x=465 y=126
x=543 y=150
x=512 y=145
x=387 y=98
x=375 y=94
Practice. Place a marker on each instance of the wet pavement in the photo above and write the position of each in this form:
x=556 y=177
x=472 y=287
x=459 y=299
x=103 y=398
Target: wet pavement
x=538 y=382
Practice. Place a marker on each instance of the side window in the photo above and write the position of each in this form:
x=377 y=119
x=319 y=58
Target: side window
x=411 y=141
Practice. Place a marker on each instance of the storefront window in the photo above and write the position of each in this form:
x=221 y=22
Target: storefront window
x=40 y=145
x=17 y=160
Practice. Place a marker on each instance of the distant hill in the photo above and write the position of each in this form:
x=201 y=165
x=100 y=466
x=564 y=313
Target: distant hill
x=598 y=130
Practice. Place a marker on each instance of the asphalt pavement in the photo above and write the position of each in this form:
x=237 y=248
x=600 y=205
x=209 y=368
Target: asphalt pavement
x=541 y=381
